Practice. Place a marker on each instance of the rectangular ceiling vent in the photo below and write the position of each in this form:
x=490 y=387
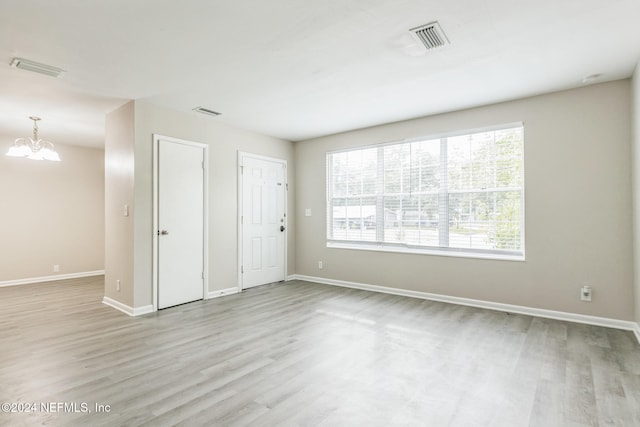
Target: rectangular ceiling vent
x=430 y=35
x=37 y=67
x=206 y=111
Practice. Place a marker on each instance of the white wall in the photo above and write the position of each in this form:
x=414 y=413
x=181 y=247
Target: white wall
x=119 y=172
x=578 y=208
x=52 y=213
x=224 y=142
x=636 y=187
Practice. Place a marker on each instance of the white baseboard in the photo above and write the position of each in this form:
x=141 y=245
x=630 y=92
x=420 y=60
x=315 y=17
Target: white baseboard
x=50 y=278
x=139 y=311
x=538 y=312
x=222 y=292
x=131 y=311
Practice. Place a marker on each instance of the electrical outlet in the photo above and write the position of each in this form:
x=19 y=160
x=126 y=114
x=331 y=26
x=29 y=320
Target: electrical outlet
x=118 y=285
x=56 y=268
x=320 y=265
x=586 y=293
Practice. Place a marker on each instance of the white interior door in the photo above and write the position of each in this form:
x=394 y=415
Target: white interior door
x=180 y=220
x=263 y=220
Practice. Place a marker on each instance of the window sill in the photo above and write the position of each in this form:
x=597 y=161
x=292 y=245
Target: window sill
x=424 y=251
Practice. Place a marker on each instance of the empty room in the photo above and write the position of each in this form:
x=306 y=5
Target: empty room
x=342 y=213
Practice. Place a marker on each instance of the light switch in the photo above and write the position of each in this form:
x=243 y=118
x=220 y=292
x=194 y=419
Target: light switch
x=307 y=212
x=126 y=210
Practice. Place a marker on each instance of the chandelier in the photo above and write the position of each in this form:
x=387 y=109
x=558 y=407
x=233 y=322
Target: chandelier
x=34 y=148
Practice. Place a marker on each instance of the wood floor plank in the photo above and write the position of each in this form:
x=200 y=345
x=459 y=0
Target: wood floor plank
x=303 y=354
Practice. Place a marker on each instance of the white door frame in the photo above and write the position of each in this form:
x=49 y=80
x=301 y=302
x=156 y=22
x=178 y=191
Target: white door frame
x=241 y=156
x=205 y=214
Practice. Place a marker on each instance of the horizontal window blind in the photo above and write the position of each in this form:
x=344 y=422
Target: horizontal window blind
x=462 y=193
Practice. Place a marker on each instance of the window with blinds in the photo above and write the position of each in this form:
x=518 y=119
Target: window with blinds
x=460 y=194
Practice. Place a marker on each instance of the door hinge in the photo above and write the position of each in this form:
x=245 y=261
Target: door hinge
x=241 y=170
x=287 y=186
x=203 y=274
x=202 y=163
x=242 y=269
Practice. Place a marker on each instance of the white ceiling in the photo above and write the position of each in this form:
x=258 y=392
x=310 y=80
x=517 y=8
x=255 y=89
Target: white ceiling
x=298 y=69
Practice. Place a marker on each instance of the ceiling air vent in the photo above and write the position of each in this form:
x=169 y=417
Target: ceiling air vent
x=430 y=35
x=206 y=111
x=36 y=67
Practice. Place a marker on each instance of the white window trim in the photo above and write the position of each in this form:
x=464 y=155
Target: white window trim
x=423 y=250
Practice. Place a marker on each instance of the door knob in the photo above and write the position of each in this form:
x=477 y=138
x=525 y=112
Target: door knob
x=164 y=232
x=282 y=228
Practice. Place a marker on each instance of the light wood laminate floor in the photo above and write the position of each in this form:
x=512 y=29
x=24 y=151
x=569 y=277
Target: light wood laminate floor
x=302 y=354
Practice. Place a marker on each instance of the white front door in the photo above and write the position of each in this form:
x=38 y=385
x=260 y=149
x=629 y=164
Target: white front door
x=180 y=222
x=263 y=220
